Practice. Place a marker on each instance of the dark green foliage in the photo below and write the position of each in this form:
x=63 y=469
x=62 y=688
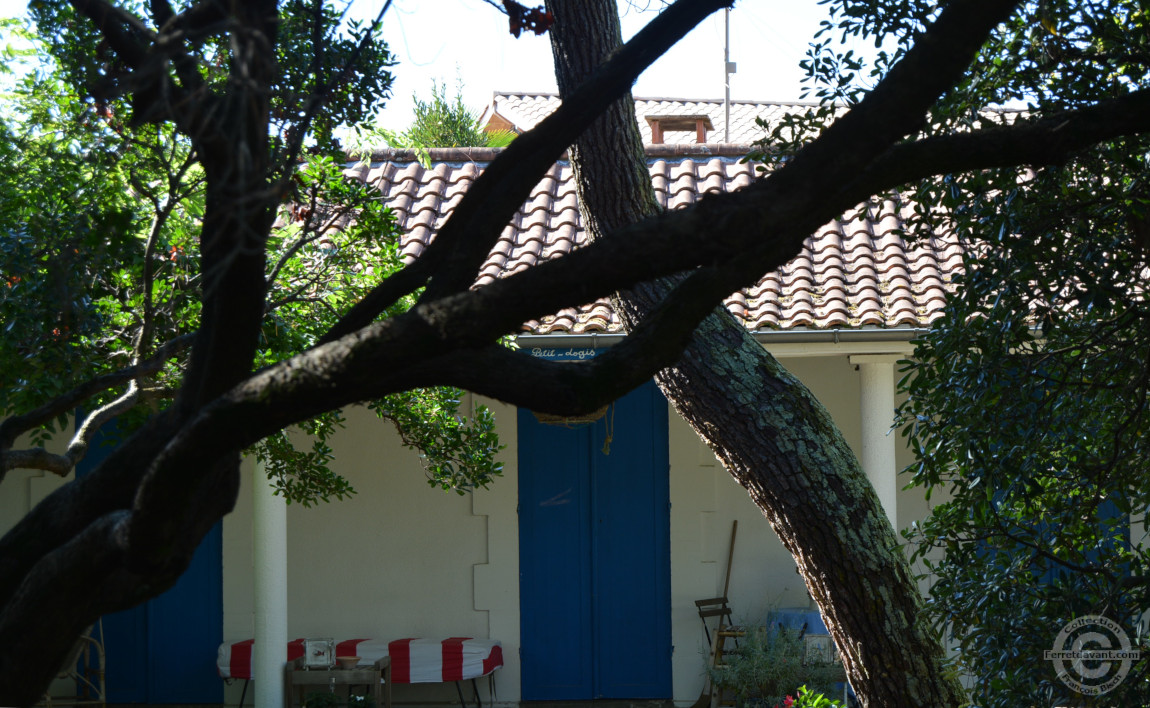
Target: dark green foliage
x=1027 y=403
x=316 y=56
x=1028 y=413
x=78 y=200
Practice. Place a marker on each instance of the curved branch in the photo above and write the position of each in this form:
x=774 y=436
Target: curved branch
x=564 y=388
x=39 y=458
x=14 y=427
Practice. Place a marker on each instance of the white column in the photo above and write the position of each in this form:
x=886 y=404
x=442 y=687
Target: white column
x=878 y=441
x=269 y=537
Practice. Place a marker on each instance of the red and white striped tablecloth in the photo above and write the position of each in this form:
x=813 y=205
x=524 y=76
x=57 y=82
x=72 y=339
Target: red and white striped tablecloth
x=435 y=660
x=412 y=660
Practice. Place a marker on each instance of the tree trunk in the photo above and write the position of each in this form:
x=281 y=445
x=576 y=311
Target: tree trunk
x=768 y=430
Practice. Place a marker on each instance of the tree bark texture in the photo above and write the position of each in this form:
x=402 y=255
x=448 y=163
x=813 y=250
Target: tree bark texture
x=768 y=430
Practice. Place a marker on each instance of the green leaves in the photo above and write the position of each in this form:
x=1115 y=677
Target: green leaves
x=1027 y=407
x=457 y=452
x=333 y=244
x=317 y=55
x=439 y=122
x=304 y=476
x=99 y=261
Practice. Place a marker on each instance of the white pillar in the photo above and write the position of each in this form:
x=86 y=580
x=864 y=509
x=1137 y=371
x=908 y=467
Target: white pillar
x=269 y=538
x=878 y=441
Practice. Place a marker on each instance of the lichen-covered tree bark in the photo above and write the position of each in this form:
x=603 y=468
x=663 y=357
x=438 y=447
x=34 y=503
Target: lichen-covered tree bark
x=768 y=430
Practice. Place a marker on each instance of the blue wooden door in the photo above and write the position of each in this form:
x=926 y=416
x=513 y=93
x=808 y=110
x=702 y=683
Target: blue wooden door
x=594 y=545
x=164 y=651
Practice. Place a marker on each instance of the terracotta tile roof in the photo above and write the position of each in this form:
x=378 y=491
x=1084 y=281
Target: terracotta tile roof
x=525 y=110
x=852 y=273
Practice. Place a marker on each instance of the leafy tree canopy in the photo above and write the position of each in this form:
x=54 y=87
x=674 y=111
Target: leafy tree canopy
x=100 y=257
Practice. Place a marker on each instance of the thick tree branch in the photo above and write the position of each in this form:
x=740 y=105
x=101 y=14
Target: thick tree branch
x=64 y=514
x=124 y=32
x=161 y=12
x=563 y=388
x=1041 y=141
x=37 y=458
x=895 y=108
x=454 y=257
x=238 y=212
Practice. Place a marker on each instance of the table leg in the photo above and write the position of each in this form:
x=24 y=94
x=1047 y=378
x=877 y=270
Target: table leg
x=289 y=688
x=384 y=666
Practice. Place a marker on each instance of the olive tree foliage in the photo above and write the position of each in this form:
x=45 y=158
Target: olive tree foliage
x=1027 y=401
x=216 y=74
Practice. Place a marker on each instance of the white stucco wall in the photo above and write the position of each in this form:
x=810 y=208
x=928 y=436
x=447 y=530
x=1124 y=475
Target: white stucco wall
x=402 y=559
x=21 y=490
x=397 y=559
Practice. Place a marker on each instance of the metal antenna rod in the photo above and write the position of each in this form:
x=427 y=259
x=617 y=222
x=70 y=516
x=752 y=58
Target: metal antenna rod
x=728 y=69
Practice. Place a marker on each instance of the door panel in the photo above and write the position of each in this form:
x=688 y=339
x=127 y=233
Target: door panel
x=594 y=554
x=554 y=520
x=185 y=628
x=632 y=555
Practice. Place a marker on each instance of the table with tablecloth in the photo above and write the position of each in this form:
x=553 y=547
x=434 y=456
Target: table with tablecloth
x=412 y=660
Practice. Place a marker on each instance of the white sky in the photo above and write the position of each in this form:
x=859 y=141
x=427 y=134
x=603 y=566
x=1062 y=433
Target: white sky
x=440 y=39
x=433 y=37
